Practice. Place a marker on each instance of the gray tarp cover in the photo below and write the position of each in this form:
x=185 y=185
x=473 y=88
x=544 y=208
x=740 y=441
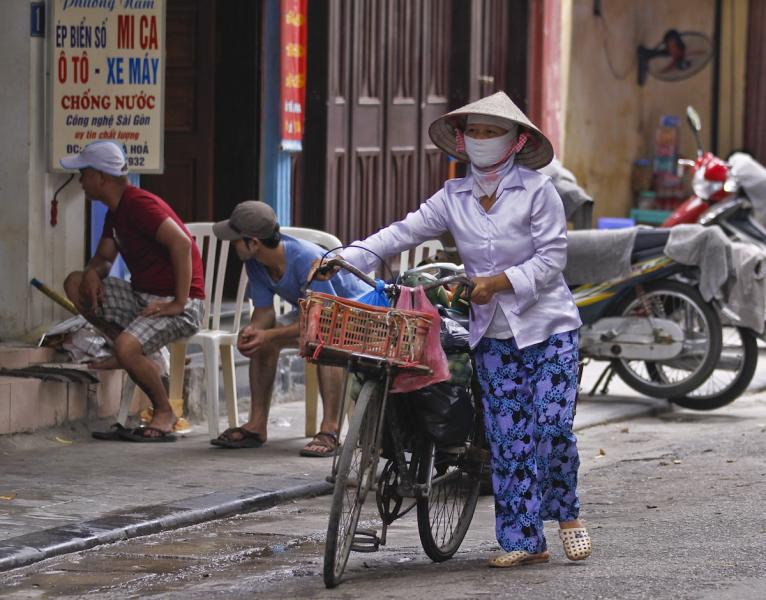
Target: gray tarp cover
x=733 y=272
x=595 y=255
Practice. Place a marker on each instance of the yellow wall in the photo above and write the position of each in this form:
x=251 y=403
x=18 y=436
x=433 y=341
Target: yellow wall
x=609 y=120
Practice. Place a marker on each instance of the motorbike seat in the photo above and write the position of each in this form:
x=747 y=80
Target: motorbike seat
x=649 y=243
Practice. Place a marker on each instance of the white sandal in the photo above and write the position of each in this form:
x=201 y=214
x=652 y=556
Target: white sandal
x=518 y=558
x=576 y=540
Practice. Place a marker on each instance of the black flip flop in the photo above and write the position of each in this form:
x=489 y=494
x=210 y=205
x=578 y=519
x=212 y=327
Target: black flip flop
x=113 y=435
x=249 y=439
x=137 y=435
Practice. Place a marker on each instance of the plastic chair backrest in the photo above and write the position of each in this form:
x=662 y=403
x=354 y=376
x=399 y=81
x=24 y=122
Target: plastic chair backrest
x=419 y=253
x=321 y=238
x=215 y=254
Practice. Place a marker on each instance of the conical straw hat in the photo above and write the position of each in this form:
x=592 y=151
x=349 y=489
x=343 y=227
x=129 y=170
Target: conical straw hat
x=535 y=154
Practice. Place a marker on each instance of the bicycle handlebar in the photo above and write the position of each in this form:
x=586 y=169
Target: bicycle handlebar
x=391 y=288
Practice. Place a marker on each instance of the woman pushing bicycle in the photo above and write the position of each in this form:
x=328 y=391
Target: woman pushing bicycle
x=509 y=226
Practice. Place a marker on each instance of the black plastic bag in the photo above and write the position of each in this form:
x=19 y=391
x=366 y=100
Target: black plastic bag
x=453 y=336
x=445 y=411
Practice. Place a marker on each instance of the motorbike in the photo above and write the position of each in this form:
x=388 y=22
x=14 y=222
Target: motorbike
x=651 y=324
x=719 y=199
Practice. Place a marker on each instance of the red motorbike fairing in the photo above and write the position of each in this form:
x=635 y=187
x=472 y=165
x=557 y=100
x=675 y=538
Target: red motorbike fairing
x=687 y=212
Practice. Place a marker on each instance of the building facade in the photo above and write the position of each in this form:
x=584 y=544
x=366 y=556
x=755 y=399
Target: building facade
x=377 y=73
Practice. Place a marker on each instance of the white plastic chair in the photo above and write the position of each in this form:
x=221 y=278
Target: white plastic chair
x=217 y=344
x=419 y=253
x=328 y=242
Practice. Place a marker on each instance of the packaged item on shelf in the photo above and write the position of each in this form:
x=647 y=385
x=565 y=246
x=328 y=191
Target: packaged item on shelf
x=666 y=138
x=641 y=175
x=647 y=200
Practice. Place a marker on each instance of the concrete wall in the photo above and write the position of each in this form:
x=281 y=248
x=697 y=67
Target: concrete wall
x=610 y=120
x=29 y=246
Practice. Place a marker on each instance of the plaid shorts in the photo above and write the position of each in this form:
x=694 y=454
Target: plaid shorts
x=123 y=305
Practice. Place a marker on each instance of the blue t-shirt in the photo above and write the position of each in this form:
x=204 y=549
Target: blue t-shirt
x=299 y=255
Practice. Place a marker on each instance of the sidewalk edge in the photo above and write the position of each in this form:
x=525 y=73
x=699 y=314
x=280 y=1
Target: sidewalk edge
x=31 y=548
x=638 y=412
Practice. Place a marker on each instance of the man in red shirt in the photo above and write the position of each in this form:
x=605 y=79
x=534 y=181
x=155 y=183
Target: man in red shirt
x=164 y=299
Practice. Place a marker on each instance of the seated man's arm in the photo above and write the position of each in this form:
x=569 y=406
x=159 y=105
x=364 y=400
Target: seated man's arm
x=98 y=267
x=262 y=330
x=101 y=262
x=170 y=235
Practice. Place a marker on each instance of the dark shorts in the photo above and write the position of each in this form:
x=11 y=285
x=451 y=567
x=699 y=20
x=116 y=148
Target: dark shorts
x=123 y=305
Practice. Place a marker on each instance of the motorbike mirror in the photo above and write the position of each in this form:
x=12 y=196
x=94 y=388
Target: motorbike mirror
x=694 y=122
x=693 y=118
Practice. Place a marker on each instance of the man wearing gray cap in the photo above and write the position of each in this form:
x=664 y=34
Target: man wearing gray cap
x=278 y=264
x=164 y=299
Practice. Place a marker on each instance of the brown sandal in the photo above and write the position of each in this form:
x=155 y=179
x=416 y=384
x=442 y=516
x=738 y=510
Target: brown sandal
x=326 y=442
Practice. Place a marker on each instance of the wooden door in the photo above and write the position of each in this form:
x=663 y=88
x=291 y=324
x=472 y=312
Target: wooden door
x=379 y=72
x=187 y=183
x=373 y=88
x=499 y=49
x=364 y=209
x=755 y=89
x=436 y=82
x=402 y=112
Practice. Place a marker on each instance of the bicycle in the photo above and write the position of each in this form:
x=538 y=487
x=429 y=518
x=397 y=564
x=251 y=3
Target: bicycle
x=376 y=344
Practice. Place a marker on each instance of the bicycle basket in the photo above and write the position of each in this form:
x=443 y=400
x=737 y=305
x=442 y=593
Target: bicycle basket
x=352 y=328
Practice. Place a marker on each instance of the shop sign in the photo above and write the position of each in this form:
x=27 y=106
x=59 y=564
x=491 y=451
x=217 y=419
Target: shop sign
x=107 y=67
x=293 y=72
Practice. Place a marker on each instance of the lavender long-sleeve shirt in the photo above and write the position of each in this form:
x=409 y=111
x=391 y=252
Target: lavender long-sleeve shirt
x=523 y=235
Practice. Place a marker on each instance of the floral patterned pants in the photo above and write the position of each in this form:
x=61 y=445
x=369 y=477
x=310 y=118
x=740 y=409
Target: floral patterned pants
x=529 y=397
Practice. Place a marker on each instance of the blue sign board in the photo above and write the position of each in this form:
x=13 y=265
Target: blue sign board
x=37 y=28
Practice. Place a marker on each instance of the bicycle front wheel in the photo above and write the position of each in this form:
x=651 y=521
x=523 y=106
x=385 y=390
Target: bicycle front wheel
x=356 y=470
x=445 y=514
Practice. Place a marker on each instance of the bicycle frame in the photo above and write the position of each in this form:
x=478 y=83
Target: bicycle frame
x=410 y=480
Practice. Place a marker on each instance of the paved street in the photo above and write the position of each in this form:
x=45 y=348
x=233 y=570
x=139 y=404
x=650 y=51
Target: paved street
x=59 y=486
x=673 y=502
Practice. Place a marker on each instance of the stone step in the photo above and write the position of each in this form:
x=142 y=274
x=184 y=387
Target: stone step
x=27 y=404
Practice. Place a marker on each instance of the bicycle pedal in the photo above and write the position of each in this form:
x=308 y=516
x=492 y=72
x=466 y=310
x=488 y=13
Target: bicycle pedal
x=366 y=540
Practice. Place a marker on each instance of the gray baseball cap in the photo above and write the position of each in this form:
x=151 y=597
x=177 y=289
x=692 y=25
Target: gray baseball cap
x=250 y=219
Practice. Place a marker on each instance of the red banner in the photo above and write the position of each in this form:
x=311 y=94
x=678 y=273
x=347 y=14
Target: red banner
x=293 y=71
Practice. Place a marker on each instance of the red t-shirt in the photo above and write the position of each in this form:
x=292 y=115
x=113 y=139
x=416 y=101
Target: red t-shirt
x=133 y=227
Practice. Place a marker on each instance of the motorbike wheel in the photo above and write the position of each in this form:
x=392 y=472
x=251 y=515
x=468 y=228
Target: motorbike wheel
x=679 y=376
x=733 y=373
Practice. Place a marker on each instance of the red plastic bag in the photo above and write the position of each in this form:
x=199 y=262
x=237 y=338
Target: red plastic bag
x=433 y=354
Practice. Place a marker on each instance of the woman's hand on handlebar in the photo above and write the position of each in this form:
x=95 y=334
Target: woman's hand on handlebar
x=323 y=269
x=486 y=287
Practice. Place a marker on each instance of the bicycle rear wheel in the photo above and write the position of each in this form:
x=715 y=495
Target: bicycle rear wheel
x=445 y=514
x=356 y=470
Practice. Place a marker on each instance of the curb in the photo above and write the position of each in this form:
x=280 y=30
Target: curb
x=34 y=547
x=629 y=410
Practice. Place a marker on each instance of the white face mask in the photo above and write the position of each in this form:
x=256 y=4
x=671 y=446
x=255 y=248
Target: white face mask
x=490 y=151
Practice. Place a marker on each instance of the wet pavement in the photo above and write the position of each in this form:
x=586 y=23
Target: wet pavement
x=61 y=491
x=664 y=499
